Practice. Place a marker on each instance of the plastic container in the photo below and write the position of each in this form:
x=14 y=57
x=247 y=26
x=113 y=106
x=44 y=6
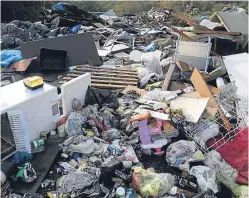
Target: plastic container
x=53 y=60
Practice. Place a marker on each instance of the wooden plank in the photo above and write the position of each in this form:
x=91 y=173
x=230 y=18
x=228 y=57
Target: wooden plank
x=109 y=86
x=121 y=69
x=104 y=77
x=168 y=76
x=202 y=87
x=218 y=32
x=106 y=81
x=106 y=74
x=114 y=82
x=103 y=70
x=185 y=19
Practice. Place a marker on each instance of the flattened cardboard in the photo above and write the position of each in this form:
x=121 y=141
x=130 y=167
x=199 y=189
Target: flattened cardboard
x=202 y=87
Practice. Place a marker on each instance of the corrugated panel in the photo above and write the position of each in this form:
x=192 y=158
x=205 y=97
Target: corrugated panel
x=19 y=129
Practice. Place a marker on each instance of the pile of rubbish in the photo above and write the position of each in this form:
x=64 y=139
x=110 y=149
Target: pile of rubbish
x=163 y=116
x=63 y=19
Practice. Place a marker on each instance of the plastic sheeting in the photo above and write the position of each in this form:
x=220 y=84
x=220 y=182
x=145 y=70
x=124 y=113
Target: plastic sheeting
x=75 y=181
x=206 y=177
x=102 y=97
x=152 y=67
x=180 y=153
x=9 y=56
x=74 y=123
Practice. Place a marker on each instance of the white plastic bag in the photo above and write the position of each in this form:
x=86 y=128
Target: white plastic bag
x=151 y=61
x=205 y=178
x=74 y=124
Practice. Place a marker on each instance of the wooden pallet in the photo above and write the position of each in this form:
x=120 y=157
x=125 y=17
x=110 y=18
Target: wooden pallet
x=105 y=77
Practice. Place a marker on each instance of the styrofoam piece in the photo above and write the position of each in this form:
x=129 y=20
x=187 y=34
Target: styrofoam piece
x=237 y=69
x=192 y=107
x=103 y=53
x=39 y=107
x=135 y=56
x=75 y=88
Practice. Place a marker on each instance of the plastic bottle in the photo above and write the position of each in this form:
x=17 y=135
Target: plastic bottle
x=130 y=193
x=220 y=83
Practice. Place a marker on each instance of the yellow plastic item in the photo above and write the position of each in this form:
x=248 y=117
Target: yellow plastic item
x=33 y=82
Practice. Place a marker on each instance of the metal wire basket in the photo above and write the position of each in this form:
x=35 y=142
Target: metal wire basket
x=211 y=132
x=228 y=92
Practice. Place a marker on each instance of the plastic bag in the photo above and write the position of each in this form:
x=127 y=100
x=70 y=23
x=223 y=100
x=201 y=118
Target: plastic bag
x=150 y=48
x=74 y=124
x=149 y=183
x=102 y=97
x=151 y=61
x=180 y=153
x=144 y=75
x=76 y=181
x=205 y=178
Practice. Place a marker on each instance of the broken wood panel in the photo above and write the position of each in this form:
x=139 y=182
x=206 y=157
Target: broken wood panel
x=106 y=70
x=104 y=77
x=105 y=74
x=202 y=87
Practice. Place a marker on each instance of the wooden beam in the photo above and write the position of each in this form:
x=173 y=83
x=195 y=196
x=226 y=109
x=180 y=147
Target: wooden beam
x=217 y=32
x=91 y=67
x=114 y=82
x=168 y=76
x=104 y=77
x=106 y=81
x=109 y=86
x=103 y=70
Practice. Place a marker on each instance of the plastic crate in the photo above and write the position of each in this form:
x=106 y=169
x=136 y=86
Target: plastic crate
x=53 y=60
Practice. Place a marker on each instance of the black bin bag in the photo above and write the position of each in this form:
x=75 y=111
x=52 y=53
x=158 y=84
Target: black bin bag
x=103 y=97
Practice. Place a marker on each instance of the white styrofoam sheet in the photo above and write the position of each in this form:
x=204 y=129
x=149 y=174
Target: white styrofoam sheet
x=192 y=107
x=237 y=69
x=75 y=88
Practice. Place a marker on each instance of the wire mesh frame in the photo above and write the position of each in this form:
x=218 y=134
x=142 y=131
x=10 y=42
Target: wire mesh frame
x=235 y=116
x=228 y=92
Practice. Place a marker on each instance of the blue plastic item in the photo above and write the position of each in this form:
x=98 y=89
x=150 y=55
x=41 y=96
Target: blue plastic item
x=76 y=156
x=9 y=56
x=150 y=48
x=75 y=29
x=60 y=6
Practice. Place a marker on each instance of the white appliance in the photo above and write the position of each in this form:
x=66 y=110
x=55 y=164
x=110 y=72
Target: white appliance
x=32 y=111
